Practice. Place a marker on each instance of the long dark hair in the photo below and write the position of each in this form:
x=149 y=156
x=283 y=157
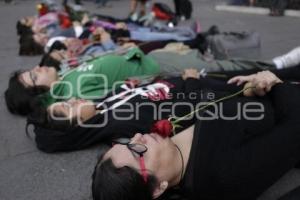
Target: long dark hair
x=125 y=183
x=20 y=99
x=112 y=183
x=40 y=116
x=28 y=47
x=49 y=61
x=23 y=29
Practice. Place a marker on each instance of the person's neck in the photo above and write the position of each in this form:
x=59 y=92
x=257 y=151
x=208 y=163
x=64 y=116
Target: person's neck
x=183 y=140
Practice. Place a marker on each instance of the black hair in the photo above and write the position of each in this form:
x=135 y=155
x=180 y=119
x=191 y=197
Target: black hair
x=112 y=183
x=49 y=61
x=57 y=45
x=20 y=99
x=118 y=33
x=40 y=116
x=23 y=29
x=29 y=47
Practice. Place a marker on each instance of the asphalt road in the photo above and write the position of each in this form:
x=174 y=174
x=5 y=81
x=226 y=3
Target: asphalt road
x=26 y=173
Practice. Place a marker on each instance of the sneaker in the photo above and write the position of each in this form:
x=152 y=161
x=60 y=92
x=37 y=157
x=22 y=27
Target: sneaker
x=290 y=59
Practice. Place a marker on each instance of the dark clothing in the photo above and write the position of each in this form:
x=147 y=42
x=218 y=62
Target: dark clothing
x=279 y=4
x=183 y=8
x=83 y=137
x=293 y=195
x=78 y=2
x=287 y=74
x=240 y=159
x=140 y=119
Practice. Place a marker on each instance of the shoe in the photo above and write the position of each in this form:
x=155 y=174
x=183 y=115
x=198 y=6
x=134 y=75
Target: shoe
x=134 y=17
x=291 y=59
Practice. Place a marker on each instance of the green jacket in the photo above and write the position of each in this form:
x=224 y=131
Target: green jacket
x=97 y=77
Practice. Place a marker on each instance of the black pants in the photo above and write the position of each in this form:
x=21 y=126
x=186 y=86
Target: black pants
x=177 y=7
x=75 y=1
x=280 y=4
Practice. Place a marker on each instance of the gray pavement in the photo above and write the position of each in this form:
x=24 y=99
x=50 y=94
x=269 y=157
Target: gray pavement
x=26 y=173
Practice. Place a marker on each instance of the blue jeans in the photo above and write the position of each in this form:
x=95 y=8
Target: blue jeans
x=178 y=34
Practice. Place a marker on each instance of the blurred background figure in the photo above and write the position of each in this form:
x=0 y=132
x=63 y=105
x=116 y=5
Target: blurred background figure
x=252 y=2
x=183 y=9
x=102 y=3
x=133 y=9
x=77 y=2
x=278 y=6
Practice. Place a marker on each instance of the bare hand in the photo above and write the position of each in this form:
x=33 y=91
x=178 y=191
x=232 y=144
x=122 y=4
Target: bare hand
x=263 y=83
x=239 y=80
x=190 y=73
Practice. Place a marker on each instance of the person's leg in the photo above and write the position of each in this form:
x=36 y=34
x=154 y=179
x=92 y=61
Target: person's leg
x=147 y=47
x=143 y=7
x=174 y=61
x=133 y=6
x=289 y=59
x=156 y=36
x=251 y=2
x=278 y=7
x=177 y=7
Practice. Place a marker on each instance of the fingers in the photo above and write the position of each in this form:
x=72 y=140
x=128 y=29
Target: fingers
x=239 y=80
x=263 y=81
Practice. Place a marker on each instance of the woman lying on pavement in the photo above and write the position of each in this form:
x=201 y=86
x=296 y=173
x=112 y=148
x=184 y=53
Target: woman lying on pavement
x=220 y=158
x=130 y=108
x=98 y=40
x=22 y=86
x=90 y=80
x=85 y=123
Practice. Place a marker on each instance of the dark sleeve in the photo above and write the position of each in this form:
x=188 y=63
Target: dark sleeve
x=85 y=34
x=292 y=195
x=286 y=100
x=291 y=73
x=192 y=85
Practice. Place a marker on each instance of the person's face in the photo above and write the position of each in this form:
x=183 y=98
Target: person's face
x=59 y=55
x=74 y=108
x=40 y=38
x=39 y=76
x=158 y=150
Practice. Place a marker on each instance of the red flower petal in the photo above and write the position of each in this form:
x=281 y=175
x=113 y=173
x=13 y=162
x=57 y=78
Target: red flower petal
x=163 y=128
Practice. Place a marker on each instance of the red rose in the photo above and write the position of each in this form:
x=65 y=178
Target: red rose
x=163 y=128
